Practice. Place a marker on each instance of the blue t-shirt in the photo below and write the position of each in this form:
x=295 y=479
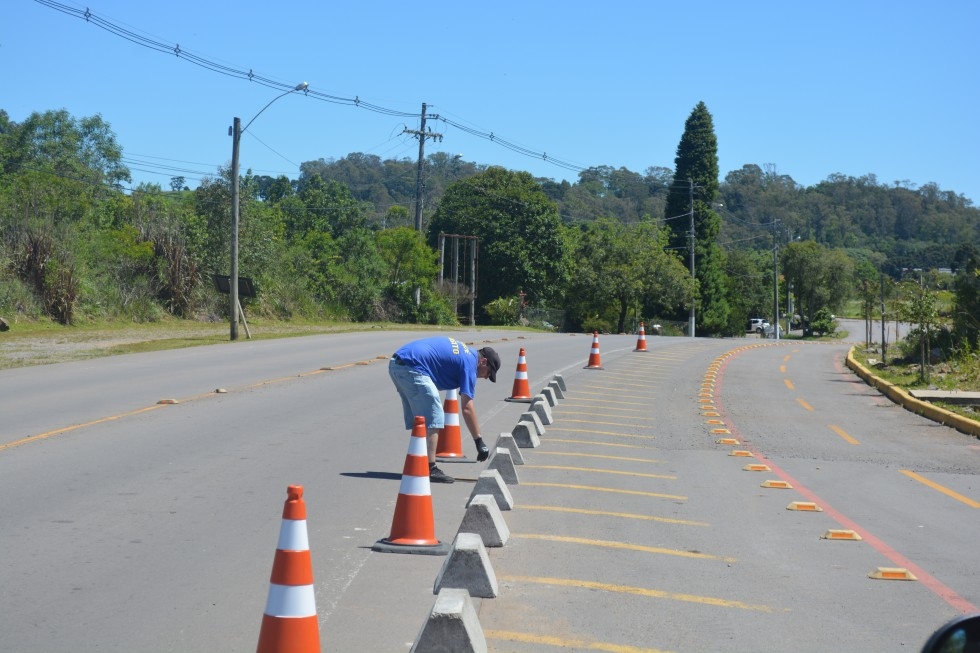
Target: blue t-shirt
x=447 y=361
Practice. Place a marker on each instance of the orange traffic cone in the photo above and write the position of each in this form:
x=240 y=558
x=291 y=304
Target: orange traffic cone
x=413 y=528
x=450 y=443
x=595 y=362
x=290 y=621
x=521 y=391
x=641 y=340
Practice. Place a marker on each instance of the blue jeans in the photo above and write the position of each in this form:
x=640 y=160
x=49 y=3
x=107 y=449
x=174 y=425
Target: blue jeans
x=419 y=396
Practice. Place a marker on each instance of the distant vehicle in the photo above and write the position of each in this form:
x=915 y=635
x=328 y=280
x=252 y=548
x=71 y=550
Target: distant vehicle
x=768 y=330
x=758 y=325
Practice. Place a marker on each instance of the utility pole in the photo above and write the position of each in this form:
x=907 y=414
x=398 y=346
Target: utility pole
x=421 y=134
x=775 y=283
x=690 y=184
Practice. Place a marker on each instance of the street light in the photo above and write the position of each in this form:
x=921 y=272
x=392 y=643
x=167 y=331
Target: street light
x=236 y=132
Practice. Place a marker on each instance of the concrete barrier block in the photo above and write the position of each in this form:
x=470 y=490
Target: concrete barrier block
x=533 y=418
x=541 y=408
x=506 y=441
x=549 y=395
x=560 y=380
x=526 y=435
x=452 y=626
x=468 y=567
x=556 y=389
x=504 y=464
x=483 y=517
x=491 y=483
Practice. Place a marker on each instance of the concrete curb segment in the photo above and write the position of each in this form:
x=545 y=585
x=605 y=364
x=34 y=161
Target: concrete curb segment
x=910 y=403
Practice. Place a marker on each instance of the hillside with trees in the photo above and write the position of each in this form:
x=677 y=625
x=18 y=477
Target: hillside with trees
x=603 y=252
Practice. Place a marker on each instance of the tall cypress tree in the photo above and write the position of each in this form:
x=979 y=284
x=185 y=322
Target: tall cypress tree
x=695 y=187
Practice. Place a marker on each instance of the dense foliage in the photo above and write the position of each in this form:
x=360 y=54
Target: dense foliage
x=603 y=252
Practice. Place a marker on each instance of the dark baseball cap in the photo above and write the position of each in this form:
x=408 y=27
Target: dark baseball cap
x=493 y=362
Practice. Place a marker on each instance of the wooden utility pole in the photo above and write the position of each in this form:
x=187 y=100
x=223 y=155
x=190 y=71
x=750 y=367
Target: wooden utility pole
x=421 y=134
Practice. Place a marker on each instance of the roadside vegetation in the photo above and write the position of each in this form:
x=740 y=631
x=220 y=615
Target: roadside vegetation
x=84 y=257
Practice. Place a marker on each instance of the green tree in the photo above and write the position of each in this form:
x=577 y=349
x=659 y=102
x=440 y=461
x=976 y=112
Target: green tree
x=821 y=277
x=693 y=191
x=920 y=306
x=409 y=264
x=617 y=267
x=521 y=242
x=966 y=310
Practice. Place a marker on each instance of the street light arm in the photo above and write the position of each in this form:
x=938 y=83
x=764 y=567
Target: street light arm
x=299 y=87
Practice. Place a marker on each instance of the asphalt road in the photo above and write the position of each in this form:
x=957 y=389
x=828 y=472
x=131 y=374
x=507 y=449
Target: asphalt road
x=131 y=525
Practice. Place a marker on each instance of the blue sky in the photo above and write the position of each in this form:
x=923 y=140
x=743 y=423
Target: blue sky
x=888 y=88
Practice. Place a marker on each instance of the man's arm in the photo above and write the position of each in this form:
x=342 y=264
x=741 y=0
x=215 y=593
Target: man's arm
x=468 y=408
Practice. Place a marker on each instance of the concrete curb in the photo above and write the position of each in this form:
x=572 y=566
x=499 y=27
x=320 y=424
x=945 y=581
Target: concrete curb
x=910 y=403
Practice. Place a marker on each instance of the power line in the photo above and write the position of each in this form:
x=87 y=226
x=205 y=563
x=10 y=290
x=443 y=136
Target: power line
x=250 y=75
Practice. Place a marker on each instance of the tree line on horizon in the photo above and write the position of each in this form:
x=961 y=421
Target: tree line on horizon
x=602 y=253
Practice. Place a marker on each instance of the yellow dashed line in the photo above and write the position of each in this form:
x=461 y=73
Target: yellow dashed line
x=599 y=444
x=594 y=488
x=621 y=435
x=601 y=471
x=623 y=515
x=624 y=546
x=559 y=642
x=940 y=488
x=49 y=434
x=789 y=384
x=596 y=455
x=844 y=434
x=804 y=404
x=589 y=421
x=637 y=591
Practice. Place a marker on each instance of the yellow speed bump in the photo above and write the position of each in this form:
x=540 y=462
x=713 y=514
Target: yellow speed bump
x=892 y=573
x=728 y=441
x=714 y=421
x=711 y=413
x=805 y=506
x=781 y=485
x=741 y=453
x=720 y=431
x=756 y=468
x=834 y=534
x=167 y=401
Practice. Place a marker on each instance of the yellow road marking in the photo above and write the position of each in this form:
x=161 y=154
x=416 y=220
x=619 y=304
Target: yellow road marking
x=49 y=434
x=559 y=642
x=599 y=444
x=940 y=488
x=637 y=591
x=629 y=410
x=601 y=471
x=575 y=412
x=597 y=455
x=782 y=369
x=589 y=421
x=622 y=435
x=625 y=546
x=606 y=513
x=603 y=397
x=841 y=432
x=570 y=486
x=804 y=404
x=789 y=384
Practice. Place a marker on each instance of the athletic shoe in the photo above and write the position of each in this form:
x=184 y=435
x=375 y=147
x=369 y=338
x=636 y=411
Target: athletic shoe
x=436 y=475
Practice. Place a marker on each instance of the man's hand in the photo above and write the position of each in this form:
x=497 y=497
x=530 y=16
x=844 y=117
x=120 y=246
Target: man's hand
x=482 y=450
